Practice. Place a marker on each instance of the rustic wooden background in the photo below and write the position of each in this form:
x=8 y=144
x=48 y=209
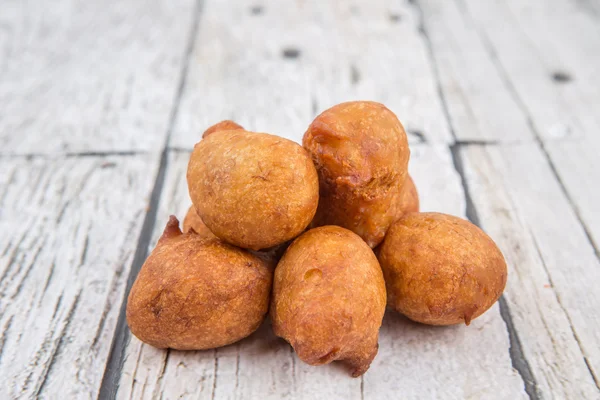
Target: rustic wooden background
x=102 y=101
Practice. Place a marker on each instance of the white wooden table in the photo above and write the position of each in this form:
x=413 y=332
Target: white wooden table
x=102 y=101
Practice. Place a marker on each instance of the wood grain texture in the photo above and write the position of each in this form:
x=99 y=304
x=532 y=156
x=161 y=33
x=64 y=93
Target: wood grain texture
x=92 y=76
x=274 y=69
x=500 y=103
x=68 y=229
x=418 y=360
x=532 y=68
x=464 y=69
x=533 y=62
x=551 y=284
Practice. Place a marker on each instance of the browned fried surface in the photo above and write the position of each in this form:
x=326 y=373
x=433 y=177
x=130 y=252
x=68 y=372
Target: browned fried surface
x=440 y=269
x=361 y=154
x=194 y=222
x=253 y=190
x=194 y=293
x=329 y=298
x=226 y=125
x=408 y=200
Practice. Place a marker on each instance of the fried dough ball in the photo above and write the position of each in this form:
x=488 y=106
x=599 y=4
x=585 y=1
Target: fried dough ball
x=329 y=298
x=226 y=125
x=253 y=190
x=408 y=201
x=440 y=269
x=193 y=222
x=194 y=293
x=361 y=154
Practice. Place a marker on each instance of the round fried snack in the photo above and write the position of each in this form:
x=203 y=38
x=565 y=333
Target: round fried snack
x=361 y=154
x=193 y=222
x=226 y=125
x=194 y=293
x=253 y=190
x=408 y=201
x=329 y=298
x=440 y=269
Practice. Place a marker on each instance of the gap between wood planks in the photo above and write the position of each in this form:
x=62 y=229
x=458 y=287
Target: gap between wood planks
x=177 y=149
x=518 y=359
x=109 y=385
x=83 y=154
x=512 y=90
x=489 y=47
x=141 y=250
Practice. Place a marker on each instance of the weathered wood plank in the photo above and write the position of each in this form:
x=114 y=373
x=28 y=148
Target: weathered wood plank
x=549 y=55
x=272 y=66
x=533 y=61
x=420 y=361
x=68 y=230
x=463 y=66
x=89 y=76
x=550 y=291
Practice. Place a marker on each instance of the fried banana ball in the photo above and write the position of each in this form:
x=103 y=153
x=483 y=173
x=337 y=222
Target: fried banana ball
x=194 y=293
x=253 y=190
x=361 y=154
x=440 y=269
x=408 y=201
x=226 y=125
x=193 y=222
x=329 y=298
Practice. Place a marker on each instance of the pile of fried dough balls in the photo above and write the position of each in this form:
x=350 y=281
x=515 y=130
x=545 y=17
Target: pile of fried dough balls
x=288 y=229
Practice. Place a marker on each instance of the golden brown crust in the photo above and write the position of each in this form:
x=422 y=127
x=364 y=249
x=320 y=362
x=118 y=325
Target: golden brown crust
x=193 y=222
x=329 y=298
x=226 y=125
x=194 y=293
x=361 y=154
x=440 y=269
x=253 y=190
x=408 y=200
